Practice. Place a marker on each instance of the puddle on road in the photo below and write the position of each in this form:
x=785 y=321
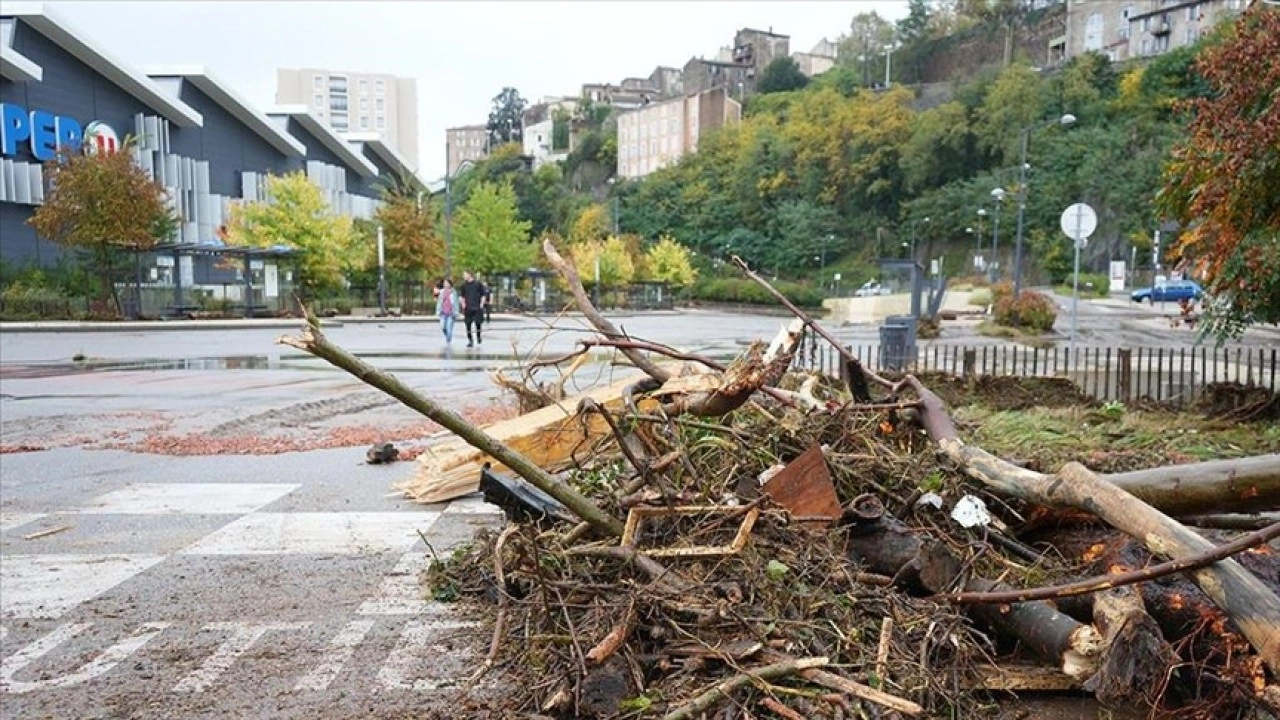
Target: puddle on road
x=431 y=362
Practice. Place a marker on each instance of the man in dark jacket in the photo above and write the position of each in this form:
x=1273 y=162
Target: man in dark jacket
x=473 y=299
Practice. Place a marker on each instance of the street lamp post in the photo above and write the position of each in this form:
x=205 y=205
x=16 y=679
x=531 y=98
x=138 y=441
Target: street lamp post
x=888 y=61
x=982 y=216
x=913 y=238
x=448 y=212
x=1065 y=120
x=998 y=194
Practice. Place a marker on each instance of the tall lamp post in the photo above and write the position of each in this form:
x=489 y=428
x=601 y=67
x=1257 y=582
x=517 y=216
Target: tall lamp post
x=888 y=61
x=998 y=195
x=982 y=216
x=913 y=238
x=1066 y=120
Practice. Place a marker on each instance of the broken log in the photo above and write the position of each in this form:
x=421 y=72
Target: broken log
x=548 y=437
x=1253 y=607
x=1242 y=485
x=597 y=320
x=313 y=342
x=1136 y=659
x=1040 y=626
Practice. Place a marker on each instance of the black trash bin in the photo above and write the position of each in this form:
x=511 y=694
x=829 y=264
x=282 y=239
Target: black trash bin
x=897 y=342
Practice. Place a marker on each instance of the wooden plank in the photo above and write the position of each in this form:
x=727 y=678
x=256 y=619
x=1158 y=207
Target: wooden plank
x=548 y=437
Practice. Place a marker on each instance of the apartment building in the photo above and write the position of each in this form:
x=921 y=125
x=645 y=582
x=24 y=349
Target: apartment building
x=818 y=60
x=463 y=145
x=357 y=102
x=1124 y=29
x=736 y=69
x=545 y=138
x=659 y=134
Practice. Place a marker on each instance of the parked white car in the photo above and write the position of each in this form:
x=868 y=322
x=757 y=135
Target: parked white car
x=871 y=288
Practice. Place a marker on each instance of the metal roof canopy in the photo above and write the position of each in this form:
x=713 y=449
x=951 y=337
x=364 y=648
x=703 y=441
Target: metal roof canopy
x=206 y=249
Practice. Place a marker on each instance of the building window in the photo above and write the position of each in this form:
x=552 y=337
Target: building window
x=337 y=84
x=339 y=121
x=379 y=104
x=364 y=104
x=1190 y=36
x=364 y=86
x=364 y=123
x=317 y=81
x=338 y=104
x=379 y=86
x=382 y=122
x=318 y=100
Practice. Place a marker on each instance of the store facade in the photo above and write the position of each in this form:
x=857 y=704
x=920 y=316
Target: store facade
x=191 y=131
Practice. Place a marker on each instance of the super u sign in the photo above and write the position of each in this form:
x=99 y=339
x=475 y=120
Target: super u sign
x=43 y=133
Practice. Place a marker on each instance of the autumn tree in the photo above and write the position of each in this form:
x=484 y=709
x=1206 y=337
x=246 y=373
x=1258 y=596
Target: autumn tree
x=488 y=234
x=295 y=215
x=412 y=247
x=592 y=224
x=106 y=205
x=1223 y=182
x=617 y=267
x=670 y=262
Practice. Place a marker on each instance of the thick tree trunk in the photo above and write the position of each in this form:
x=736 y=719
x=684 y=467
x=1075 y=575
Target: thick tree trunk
x=1220 y=486
x=1245 y=599
x=1136 y=659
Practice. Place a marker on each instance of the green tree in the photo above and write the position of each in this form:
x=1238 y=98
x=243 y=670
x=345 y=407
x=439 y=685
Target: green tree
x=295 y=215
x=1015 y=101
x=670 y=262
x=488 y=235
x=782 y=74
x=506 y=117
x=592 y=224
x=942 y=147
x=106 y=205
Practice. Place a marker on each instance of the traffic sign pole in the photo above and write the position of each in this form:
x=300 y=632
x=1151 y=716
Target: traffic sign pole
x=1078 y=222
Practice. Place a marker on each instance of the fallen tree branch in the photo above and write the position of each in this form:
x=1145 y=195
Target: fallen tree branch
x=1242 y=485
x=722 y=690
x=1107 y=582
x=1248 y=602
x=652 y=347
x=597 y=320
x=1256 y=521
x=855 y=368
x=611 y=642
x=314 y=342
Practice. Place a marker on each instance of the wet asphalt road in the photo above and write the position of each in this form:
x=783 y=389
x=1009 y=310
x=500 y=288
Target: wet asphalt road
x=282 y=586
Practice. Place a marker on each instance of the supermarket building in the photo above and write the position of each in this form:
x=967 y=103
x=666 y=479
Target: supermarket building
x=194 y=134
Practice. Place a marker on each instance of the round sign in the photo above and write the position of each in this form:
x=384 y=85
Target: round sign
x=100 y=138
x=1079 y=221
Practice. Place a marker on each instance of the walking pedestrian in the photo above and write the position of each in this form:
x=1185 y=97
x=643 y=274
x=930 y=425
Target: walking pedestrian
x=473 y=300
x=447 y=308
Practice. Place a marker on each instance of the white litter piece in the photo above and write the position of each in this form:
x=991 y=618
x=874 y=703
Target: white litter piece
x=930 y=498
x=971 y=512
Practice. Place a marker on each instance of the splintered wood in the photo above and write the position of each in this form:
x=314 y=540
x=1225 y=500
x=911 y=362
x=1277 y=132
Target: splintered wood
x=550 y=437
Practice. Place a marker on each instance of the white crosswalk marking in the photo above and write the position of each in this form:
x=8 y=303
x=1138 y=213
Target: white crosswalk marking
x=100 y=665
x=416 y=637
x=187 y=499
x=336 y=656
x=243 y=636
x=47 y=586
x=401 y=591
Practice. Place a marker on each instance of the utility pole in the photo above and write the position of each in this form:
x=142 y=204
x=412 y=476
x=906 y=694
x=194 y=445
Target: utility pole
x=382 y=275
x=448 y=211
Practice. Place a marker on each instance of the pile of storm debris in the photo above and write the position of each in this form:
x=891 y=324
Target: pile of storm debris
x=739 y=540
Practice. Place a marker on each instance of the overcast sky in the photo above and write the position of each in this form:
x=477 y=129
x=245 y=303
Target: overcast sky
x=461 y=53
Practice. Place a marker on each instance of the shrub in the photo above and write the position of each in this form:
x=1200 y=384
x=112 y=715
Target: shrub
x=1001 y=290
x=1032 y=311
x=741 y=290
x=980 y=297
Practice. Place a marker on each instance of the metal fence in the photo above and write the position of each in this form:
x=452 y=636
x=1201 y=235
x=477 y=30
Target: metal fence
x=1175 y=375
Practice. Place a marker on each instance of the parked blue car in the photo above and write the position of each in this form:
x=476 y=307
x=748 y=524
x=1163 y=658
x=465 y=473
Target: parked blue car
x=1172 y=291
